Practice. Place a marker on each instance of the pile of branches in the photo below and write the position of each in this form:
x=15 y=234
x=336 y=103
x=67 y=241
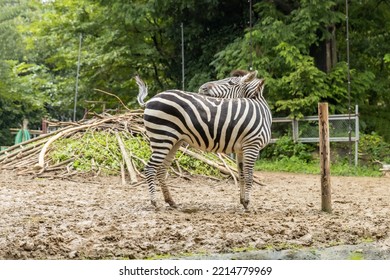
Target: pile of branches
x=33 y=156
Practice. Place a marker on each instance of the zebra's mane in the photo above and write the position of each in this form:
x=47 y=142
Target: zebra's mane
x=238 y=73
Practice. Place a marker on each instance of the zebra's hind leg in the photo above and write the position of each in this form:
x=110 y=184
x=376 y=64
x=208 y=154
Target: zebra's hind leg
x=150 y=173
x=162 y=171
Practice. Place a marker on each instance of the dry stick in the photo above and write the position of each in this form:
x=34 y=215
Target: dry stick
x=41 y=158
x=130 y=168
x=60 y=164
x=123 y=174
x=215 y=165
x=21 y=152
x=28 y=152
x=26 y=162
x=32 y=140
x=138 y=184
x=135 y=166
x=66 y=124
x=178 y=174
x=143 y=162
x=256 y=179
x=111 y=94
x=19 y=161
x=205 y=160
x=228 y=168
x=16 y=159
x=178 y=167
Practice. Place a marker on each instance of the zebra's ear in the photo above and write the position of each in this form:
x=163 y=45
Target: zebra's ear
x=260 y=87
x=249 y=77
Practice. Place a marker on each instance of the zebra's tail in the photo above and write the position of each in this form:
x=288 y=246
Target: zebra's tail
x=142 y=91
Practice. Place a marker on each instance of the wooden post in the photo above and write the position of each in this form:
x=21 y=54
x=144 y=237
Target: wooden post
x=326 y=199
x=44 y=126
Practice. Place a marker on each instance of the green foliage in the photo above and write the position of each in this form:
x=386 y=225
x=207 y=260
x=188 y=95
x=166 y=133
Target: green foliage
x=24 y=87
x=283 y=39
x=100 y=152
x=94 y=151
x=26 y=100
x=281 y=53
x=296 y=165
x=287 y=156
x=285 y=164
x=370 y=83
x=372 y=147
x=286 y=148
x=39 y=50
x=387 y=58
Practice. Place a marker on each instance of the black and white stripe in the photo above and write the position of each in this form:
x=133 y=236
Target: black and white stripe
x=237 y=125
x=241 y=84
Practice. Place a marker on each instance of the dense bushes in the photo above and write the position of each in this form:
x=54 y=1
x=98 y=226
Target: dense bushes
x=285 y=155
x=372 y=148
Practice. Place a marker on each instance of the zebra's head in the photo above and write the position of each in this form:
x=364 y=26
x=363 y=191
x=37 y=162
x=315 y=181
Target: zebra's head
x=241 y=84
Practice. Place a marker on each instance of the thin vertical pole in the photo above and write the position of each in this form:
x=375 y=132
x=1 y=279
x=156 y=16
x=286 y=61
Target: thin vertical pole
x=44 y=126
x=349 y=82
x=326 y=199
x=77 y=79
x=182 y=56
x=295 y=129
x=357 y=134
x=250 y=37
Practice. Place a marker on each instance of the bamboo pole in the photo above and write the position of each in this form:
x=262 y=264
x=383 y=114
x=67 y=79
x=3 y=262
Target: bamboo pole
x=130 y=167
x=326 y=199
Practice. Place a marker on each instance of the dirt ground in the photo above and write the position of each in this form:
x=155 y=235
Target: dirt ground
x=98 y=218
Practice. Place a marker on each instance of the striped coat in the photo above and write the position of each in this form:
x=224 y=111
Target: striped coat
x=236 y=125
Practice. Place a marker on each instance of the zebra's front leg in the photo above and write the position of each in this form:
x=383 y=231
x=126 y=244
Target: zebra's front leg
x=248 y=162
x=241 y=177
x=150 y=173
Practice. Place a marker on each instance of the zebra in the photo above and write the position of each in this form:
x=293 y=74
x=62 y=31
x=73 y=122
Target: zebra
x=213 y=124
x=241 y=84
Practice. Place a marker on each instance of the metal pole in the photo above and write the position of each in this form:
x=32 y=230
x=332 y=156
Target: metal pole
x=182 y=55
x=295 y=130
x=250 y=37
x=77 y=79
x=349 y=82
x=357 y=135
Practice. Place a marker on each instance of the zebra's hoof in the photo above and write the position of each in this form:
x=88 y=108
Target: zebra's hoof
x=245 y=203
x=154 y=203
x=172 y=204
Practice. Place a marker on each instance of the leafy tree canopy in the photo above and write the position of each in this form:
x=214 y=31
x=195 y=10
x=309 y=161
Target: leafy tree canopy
x=298 y=46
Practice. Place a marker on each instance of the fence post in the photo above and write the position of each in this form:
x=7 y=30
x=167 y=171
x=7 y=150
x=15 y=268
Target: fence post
x=44 y=126
x=356 y=134
x=295 y=130
x=326 y=200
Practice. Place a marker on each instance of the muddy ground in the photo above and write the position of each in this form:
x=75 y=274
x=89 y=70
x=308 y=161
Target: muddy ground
x=98 y=218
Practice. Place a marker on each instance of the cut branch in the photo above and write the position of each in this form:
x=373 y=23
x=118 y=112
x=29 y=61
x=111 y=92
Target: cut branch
x=130 y=167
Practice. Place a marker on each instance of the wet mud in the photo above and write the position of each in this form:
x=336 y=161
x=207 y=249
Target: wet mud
x=99 y=218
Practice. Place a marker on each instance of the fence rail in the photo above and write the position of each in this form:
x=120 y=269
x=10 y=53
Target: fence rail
x=342 y=128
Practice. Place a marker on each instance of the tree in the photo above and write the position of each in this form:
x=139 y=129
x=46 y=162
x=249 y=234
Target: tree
x=293 y=47
x=283 y=39
x=297 y=45
x=369 y=37
x=20 y=88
